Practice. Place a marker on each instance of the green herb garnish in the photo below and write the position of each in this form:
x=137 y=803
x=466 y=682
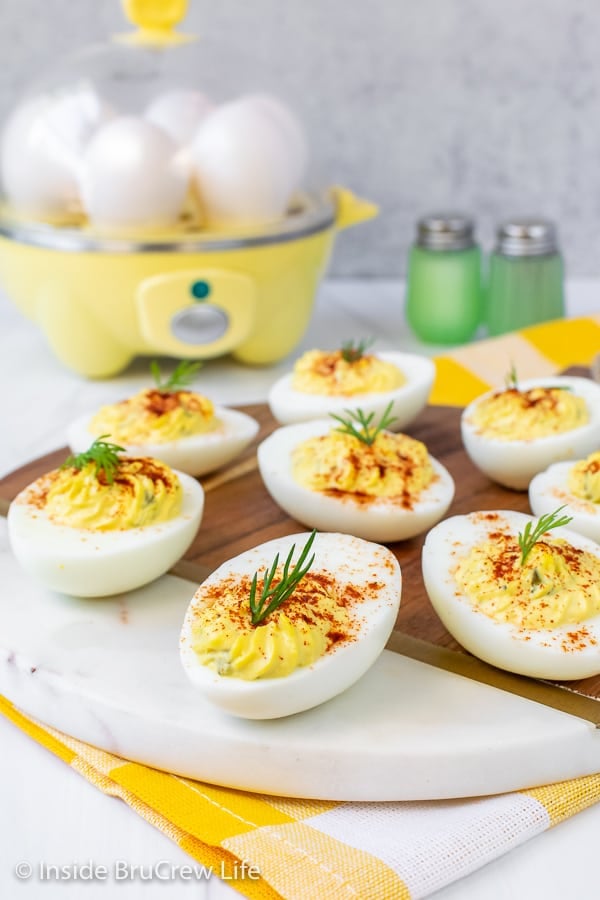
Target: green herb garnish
x=366 y=431
x=512 y=380
x=272 y=597
x=352 y=350
x=530 y=536
x=103 y=454
x=181 y=378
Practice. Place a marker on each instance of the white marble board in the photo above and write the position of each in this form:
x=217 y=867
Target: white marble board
x=108 y=672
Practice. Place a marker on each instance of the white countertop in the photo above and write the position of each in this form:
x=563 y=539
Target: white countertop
x=52 y=814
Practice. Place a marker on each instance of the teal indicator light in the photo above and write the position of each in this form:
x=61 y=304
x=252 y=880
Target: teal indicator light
x=200 y=290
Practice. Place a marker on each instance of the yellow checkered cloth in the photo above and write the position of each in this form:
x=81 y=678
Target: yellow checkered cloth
x=379 y=851
x=540 y=350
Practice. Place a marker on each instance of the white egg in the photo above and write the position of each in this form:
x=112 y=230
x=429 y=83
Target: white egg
x=563 y=652
x=372 y=572
x=513 y=463
x=88 y=563
x=550 y=489
x=375 y=519
x=179 y=113
x=294 y=133
x=246 y=166
x=196 y=454
x=289 y=405
x=133 y=175
x=42 y=148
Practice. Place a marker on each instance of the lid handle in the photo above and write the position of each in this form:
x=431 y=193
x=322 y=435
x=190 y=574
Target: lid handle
x=156 y=21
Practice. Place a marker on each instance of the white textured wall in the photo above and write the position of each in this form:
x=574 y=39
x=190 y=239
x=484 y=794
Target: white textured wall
x=489 y=107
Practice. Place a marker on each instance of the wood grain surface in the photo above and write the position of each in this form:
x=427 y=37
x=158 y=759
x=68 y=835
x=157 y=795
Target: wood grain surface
x=239 y=513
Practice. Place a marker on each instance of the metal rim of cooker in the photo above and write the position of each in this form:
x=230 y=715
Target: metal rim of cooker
x=310 y=214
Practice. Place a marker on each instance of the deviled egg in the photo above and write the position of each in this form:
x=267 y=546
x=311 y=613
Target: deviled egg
x=290 y=623
x=172 y=423
x=325 y=382
x=576 y=486
x=356 y=477
x=516 y=593
x=513 y=434
x=104 y=523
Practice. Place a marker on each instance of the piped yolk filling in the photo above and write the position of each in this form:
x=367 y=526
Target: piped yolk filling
x=143 y=492
x=155 y=416
x=558 y=584
x=584 y=478
x=317 y=372
x=395 y=466
x=312 y=622
x=515 y=415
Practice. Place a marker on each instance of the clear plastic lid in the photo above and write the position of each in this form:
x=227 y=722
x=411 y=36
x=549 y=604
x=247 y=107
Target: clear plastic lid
x=139 y=138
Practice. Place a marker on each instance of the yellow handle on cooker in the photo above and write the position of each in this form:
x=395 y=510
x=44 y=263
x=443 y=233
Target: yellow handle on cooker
x=350 y=209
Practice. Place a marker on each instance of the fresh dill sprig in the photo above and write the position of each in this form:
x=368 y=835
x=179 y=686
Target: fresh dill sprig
x=353 y=350
x=104 y=455
x=511 y=380
x=181 y=378
x=366 y=431
x=557 y=387
x=530 y=536
x=272 y=597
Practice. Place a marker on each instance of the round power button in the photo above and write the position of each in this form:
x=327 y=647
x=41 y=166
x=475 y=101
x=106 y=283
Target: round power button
x=199 y=324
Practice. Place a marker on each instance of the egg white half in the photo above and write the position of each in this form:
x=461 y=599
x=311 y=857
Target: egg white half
x=89 y=563
x=550 y=489
x=377 y=519
x=290 y=406
x=549 y=653
x=514 y=463
x=195 y=455
x=352 y=561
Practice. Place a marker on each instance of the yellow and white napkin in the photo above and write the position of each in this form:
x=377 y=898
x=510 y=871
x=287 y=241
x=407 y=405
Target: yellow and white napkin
x=310 y=848
x=538 y=351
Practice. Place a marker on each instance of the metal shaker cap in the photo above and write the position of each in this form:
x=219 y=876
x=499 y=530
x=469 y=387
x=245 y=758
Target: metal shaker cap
x=445 y=231
x=526 y=237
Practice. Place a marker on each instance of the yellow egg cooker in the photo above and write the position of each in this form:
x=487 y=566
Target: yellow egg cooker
x=103 y=295
x=102 y=301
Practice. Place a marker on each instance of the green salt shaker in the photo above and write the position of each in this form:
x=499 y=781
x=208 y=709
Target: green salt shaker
x=525 y=278
x=444 y=294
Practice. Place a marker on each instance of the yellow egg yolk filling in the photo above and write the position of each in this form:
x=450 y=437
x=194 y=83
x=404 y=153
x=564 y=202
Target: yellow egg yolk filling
x=155 y=416
x=557 y=585
x=143 y=492
x=317 y=372
x=584 y=478
x=394 y=466
x=515 y=415
x=312 y=621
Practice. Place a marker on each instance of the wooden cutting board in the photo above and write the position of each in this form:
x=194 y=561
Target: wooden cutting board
x=239 y=513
